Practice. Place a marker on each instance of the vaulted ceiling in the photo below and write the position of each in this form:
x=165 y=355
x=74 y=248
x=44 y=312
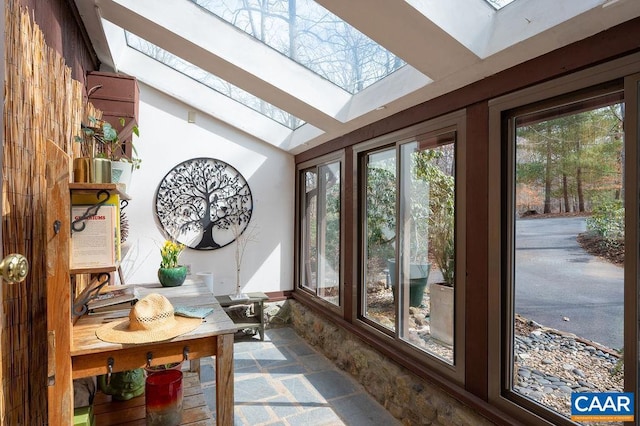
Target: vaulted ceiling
x=441 y=45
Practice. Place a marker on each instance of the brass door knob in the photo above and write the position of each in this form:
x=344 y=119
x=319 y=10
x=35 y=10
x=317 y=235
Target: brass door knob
x=14 y=268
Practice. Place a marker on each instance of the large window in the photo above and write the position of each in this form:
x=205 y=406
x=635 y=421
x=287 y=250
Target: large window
x=409 y=254
x=568 y=311
x=568 y=273
x=320 y=231
x=380 y=242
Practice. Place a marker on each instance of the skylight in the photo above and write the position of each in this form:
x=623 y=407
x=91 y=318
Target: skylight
x=312 y=36
x=447 y=45
x=212 y=81
x=499 y=4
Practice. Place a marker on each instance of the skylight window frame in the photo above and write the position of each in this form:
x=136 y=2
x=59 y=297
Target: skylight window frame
x=470 y=40
x=189 y=91
x=129 y=44
x=497 y=4
x=282 y=50
x=232 y=55
x=328 y=116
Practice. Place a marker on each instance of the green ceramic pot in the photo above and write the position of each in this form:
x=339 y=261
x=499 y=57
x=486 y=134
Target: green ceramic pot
x=172 y=277
x=123 y=385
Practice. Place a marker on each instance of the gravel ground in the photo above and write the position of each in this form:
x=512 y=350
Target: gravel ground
x=550 y=365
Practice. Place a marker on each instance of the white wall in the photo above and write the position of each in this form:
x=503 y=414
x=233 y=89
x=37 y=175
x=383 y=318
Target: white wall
x=167 y=139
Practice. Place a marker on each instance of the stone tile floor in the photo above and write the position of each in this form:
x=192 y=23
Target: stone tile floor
x=284 y=381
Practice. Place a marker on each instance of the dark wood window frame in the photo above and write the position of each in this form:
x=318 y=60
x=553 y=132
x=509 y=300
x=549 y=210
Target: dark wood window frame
x=591 y=83
x=300 y=290
x=347 y=314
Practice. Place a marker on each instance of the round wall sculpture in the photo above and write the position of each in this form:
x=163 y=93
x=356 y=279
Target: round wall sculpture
x=204 y=203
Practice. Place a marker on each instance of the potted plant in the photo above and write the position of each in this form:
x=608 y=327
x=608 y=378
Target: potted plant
x=381 y=238
x=442 y=228
x=416 y=242
x=418 y=276
x=170 y=273
x=104 y=145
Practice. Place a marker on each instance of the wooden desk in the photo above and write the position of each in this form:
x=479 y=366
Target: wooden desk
x=89 y=355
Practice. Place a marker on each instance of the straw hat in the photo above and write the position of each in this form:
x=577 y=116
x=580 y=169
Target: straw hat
x=151 y=319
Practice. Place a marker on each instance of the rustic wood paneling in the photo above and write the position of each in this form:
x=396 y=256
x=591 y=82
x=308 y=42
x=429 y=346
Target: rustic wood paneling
x=64 y=32
x=42 y=103
x=60 y=396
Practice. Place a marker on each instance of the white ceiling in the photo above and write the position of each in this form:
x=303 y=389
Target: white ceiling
x=446 y=44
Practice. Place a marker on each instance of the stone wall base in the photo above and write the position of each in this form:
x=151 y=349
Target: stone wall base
x=406 y=396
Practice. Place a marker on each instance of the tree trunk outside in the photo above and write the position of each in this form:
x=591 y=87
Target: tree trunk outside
x=565 y=194
x=580 y=190
x=547 y=181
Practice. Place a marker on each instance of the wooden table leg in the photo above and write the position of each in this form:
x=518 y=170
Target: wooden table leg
x=194 y=366
x=224 y=380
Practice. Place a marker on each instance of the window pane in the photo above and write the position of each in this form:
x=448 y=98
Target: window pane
x=380 y=244
x=426 y=255
x=212 y=81
x=499 y=4
x=329 y=234
x=312 y=36
x=320 y=231
x=422 y=258
x=569 y=245
x=308 y=233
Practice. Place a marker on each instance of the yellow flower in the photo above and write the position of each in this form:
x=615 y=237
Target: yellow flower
x=170 y=252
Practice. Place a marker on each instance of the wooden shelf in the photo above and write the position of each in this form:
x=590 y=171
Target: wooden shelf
x=132 y=412
x=94 y=269
x=91 y=188
x=94 y=193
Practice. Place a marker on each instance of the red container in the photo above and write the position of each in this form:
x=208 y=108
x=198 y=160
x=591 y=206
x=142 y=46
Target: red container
x=163 y=398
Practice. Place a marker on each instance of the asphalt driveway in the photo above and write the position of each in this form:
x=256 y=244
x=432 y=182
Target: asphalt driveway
x=559 y=285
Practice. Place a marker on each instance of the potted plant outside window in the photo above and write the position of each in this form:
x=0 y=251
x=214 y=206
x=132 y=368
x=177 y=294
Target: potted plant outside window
x=418 y=264
x=418 y=276
x=381 y=231
x=443 y=250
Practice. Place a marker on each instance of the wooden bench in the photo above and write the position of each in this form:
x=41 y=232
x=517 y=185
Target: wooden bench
x=246 y=320
x=195 y=411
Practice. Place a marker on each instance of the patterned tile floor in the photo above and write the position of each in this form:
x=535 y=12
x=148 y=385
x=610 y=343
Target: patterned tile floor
x=285 y=381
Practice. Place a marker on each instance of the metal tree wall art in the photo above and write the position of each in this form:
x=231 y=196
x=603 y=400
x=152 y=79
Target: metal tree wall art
x=203 y=202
